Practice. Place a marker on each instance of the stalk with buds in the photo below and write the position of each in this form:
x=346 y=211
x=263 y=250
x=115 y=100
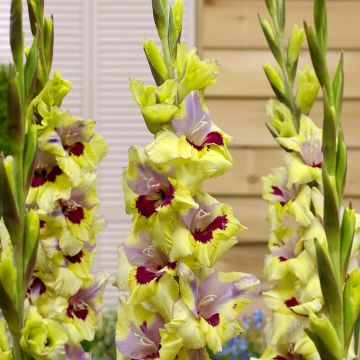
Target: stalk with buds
x=312 y=269
x=173 y=304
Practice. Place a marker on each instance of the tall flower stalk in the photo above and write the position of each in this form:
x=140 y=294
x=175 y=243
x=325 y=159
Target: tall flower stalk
x=19 y=225
x=173 y=304
x=49 y=220
x=312 y=269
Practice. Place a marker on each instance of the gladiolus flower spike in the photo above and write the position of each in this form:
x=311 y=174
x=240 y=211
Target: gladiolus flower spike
x=48 y=211
x=314 y=240
x=173 y=304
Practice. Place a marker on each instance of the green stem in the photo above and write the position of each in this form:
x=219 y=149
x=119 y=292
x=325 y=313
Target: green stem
x=167 y=57
x=286 y=79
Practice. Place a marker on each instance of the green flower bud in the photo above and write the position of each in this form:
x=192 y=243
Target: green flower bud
x=275 y=80
x=175 y=26
x=42 y=337
x=293 y=50
x=281 y=118
x=325 y=331
x=5 y=352
x=7 y=269
x=351 y=302
x=160 y=13
x=270 y=38
x=156 y=104
x=308 y=89
x=156 y=61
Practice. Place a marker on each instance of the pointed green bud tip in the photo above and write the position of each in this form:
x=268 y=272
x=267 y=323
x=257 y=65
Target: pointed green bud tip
x=295 y=43
x=160 y=13
x=274 y=78
x=9 y=165
x=308 y=89
x=325 y=331
x=156 y=61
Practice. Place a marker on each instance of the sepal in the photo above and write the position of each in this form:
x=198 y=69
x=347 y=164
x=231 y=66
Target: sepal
x=160 y=13
x=329 y=288
x=322 y=334
x=347 y=238
x=31 y=242
x=308 y=90
x=293 y=51
x=156 y=62
x=351 y=304
x=175 y=27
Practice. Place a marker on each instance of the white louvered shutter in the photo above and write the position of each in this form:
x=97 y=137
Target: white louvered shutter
x=98 y=46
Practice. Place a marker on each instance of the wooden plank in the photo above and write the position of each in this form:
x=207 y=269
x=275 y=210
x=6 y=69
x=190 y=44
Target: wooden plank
x=251 y=212
x=246 y=258
x=251 y=164
x=242 y=75
x=229 y=23
x=244 y=120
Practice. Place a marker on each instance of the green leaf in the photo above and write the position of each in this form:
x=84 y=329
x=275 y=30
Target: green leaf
x=347 y=237
x=293 y=51
x=329 y=287
x=320 y=346
x=270 y=38
x=5 y=144
x=15 y=128
x=156 y=62
x=30 y=149
x=270 y=7
x=320 y=19
x=280 y=14
x=160 y=13
x=31 y=70
x=16 y=33
x=31 y=242
x=318 y=59
x=329 y=136
x=9 y=208
x=8 y=308
x=357 y=336
x=338 y=88
x=331 y=219
x=276 y=83
x=351 y=304
x=341 y=165
x=49 y=42
x=175 y=27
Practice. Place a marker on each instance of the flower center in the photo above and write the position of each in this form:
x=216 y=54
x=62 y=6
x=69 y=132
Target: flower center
x=206 y=235
x=78 y=310
x=147 y=204
x=72 y=211
x=76 y=149
x=75 y=259
x=43 y=175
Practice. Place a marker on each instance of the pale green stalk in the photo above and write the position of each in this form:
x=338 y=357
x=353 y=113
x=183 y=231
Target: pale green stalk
x=20 y=143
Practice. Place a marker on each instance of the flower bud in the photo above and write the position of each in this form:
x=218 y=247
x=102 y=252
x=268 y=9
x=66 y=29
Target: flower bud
x=156 y=61
x=326 y=333
x=42 y=337
x=308 y=89
x=275 y=80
